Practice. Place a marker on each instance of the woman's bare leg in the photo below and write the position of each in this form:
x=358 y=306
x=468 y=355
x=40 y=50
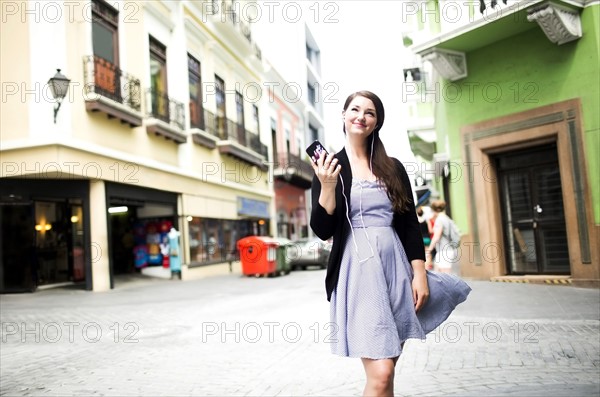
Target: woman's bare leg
x=380 y=376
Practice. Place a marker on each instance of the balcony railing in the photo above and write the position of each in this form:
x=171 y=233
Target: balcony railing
x=228 y=130
x=293 y=169
x=105 y=79
x=256 y=144
x=236 y=132
x=209 y=123
x=302 y=166
x=162 y=107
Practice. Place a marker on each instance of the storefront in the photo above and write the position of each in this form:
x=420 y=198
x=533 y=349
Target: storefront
x=45 y=227
x=51 y=237
x=139 y=220
x=213 y=240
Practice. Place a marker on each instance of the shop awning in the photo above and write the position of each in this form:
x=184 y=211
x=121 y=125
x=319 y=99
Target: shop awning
x=423 y=195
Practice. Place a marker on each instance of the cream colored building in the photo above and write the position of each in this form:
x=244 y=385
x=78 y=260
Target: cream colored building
x=162 y=126
x=291 y=168
x=297 y=108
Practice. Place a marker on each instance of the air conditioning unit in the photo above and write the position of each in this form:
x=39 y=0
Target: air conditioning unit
x=441 y=163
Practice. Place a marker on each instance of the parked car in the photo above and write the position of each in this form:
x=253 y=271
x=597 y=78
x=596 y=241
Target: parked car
x=307 y=252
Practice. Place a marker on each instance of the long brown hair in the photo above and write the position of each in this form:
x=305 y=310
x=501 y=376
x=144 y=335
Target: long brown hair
x=384 y=166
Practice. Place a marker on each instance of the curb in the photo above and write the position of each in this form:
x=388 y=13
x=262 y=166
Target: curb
x=558 y=281
x=504 y=280
x=551 y=280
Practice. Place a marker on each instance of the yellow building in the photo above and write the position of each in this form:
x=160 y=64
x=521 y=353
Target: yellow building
x=161 y=126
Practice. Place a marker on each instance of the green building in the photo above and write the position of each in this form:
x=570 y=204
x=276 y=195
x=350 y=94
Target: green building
x=517 y=103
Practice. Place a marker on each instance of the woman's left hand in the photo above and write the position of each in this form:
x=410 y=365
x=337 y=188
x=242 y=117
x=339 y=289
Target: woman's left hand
x=420 y=289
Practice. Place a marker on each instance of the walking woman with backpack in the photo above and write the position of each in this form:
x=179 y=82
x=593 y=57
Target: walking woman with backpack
x=445 y=239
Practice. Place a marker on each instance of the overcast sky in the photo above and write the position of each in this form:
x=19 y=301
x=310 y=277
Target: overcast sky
x=361 y=48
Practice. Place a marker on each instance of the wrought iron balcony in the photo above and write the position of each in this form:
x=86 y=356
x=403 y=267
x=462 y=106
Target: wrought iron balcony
x=215 y=126
x=233 y=139
x=203 y=128
x=166 y=109
x=293 y=169
x=228 y=130
x=238 y=133
x=255 y=144
x=112 y=91
x=170 y=116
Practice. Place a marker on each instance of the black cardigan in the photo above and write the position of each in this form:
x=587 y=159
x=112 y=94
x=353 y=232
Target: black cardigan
x=325 y=226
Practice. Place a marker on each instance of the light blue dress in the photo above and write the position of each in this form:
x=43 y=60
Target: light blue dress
x=372 y=307
x=175 y=252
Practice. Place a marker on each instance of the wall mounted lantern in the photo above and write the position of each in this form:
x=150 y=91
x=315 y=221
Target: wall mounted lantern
x=59 y=85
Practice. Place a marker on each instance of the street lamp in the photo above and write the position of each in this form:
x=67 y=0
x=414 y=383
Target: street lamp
x=59 y=84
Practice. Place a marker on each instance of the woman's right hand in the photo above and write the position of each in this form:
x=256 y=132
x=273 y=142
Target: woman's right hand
x=327 y=170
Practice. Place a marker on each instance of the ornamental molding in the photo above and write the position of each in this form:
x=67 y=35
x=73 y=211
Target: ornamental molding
x=559 y=24
x=451 y=65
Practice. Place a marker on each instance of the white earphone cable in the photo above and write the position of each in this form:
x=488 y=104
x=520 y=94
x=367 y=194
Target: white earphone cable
x=363 y=225
x=359 y=209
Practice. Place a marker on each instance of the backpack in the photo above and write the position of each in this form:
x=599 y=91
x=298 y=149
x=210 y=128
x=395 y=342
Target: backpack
x=454 y=233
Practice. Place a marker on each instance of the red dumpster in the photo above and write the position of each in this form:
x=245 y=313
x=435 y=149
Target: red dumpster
x=258 y=255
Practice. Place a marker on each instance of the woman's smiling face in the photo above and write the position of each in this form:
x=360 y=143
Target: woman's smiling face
x=360 y=117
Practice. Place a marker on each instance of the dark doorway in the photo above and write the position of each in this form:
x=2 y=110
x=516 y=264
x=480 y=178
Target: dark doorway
x=17 y=256
x=533 y=214
x=122 y=241
x=59 y=242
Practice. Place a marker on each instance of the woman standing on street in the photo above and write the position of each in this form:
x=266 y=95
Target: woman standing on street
x=380 y=293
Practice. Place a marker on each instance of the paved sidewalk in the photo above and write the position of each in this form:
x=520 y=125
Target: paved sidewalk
x=238 y=336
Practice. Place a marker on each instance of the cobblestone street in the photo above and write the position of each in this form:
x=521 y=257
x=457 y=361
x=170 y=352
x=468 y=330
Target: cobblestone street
x=237 y=336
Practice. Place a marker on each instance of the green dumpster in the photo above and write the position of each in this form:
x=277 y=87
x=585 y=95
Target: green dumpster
x=283 y=262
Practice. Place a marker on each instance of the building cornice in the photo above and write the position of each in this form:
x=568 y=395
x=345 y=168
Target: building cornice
x=496 y=15
x=154 y=8
x=244 y=64
x=102 y=151
x=476 y=24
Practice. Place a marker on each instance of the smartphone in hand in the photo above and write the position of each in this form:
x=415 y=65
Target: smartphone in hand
x=315 y=150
